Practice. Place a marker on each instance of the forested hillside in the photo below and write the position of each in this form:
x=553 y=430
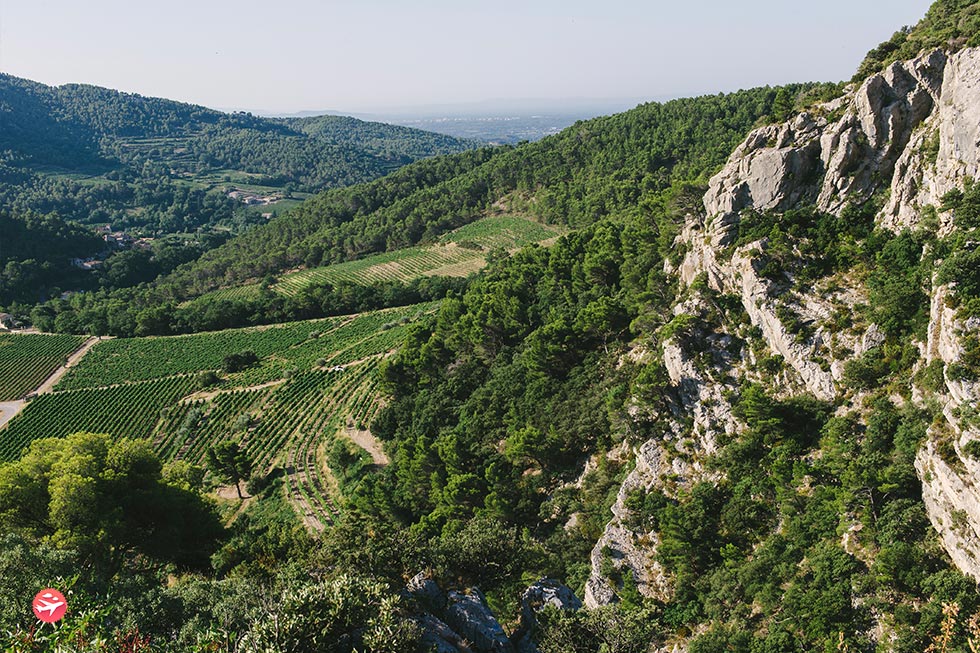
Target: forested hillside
x=734 y=407
x=153 y=167
x=642 y=163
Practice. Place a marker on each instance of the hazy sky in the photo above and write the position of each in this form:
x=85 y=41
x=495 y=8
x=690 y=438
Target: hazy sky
x=290 y=55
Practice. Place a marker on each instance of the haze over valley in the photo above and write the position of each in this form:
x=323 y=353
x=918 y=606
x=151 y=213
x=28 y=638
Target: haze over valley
x=690 y=365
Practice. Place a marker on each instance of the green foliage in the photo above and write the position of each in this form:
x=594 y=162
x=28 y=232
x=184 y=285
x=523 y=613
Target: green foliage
x=897 y=301
x=806 y=243
x=335 y=616
x=867 y=371
x=961 y=258
x=931 y=377
x=94 y=156
x=106 y=500
x=612 y=628
x=524 y=343
x=230 y=463
x=949 y=24
x=721 y=543
x=36 y=255
x=239 y=361
x=629 y=163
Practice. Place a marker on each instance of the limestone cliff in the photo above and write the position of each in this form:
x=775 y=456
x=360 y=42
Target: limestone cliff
x=906 y=136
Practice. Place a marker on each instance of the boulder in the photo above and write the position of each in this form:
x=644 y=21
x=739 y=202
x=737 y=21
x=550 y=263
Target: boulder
x=467 y=613
x=427 y=592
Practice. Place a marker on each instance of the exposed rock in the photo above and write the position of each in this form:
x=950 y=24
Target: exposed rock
x=837 y=163
x=949 y=490
x=467 y=613
x=758 y=301
x=437 y=637
x=628 y=550
x=953 y=504
x=912 y=130
x=635 y=553
x=873 y=337
x=426 y=591
x=959 y=120
x=547 y=592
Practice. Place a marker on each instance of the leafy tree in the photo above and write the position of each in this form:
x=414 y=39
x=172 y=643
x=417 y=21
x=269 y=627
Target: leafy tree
x=239 y=361
x=107 y=500
x=229 y=462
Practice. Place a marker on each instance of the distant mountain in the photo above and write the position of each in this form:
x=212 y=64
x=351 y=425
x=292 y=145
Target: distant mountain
x=157 y=168
x=57 y=143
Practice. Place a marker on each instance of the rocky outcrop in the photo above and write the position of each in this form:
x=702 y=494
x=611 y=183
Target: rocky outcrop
x=834 y=163
x=426 y=592
x=547 y=593
x=953 y=504
x=624 y=549
x=699 y=395
x=460 y=621
x=948 y=474
x=543 y=594
x=761 y=304
x=468 y=614
x=912 y=130
x=438 y=637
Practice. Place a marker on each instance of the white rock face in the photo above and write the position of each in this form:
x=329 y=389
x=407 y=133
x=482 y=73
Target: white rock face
x=953 y=133
x=953 y=505
x=913 y=130
x=760 y=304
x=627 y=549
x=634 y=552
x=838 y=163
x=949 y=485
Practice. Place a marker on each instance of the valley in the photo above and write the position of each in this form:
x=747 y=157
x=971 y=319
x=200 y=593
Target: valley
x=701 y=376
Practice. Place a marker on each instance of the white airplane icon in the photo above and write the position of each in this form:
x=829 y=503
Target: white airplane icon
x=45 y=606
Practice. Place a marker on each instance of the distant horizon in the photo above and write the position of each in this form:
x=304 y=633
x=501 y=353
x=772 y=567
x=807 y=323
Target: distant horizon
x=382 y=57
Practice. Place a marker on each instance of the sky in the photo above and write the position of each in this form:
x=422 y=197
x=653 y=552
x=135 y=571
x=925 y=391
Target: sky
x=382 y=55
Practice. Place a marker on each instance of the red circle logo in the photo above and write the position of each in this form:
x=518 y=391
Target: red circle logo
x=49 y=605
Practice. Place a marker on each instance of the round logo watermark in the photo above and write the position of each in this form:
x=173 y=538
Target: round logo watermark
x=49 y=605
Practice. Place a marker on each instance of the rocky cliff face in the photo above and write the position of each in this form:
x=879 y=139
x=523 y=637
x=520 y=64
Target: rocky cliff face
x=909 y=134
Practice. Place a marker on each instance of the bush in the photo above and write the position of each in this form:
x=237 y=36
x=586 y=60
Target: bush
x=866 y=372
x=240 y=361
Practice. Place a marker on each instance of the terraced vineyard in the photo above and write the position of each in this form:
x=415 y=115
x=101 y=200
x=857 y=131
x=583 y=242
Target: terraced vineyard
x=125 y=411
x=457 y=254
x=138 y=359
x=314 y=380
x=26 y=360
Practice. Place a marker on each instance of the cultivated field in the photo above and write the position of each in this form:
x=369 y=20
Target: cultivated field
x=457 y=254
x=28 y=359
x=314 y=380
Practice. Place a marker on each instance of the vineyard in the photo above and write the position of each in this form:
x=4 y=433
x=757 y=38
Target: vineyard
x=458 y=253
x=26 y=360
x=313 y=380
x=125 y=411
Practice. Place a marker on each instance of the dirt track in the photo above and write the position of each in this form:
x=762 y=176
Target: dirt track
x=52 y=380
x=9 y=409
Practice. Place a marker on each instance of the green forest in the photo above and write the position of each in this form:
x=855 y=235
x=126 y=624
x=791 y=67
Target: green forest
x=509 y=406
x=648 y=161
x=151 y=167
